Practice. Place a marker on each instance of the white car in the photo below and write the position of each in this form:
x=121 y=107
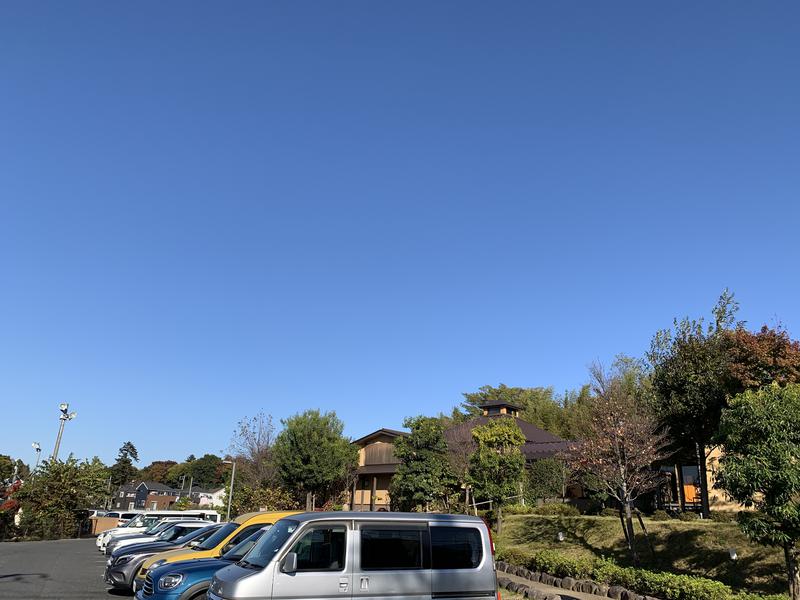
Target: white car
x=172 y=530
x=138 y=524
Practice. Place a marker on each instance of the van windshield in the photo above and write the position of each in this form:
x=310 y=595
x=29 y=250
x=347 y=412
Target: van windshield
x=269 y=544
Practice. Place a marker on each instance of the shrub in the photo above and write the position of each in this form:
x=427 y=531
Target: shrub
x=609 y=512
x=517 y=509
x=667 y=586
x=723 y=516
x=688 y=516
x=557 y=509
x=660 y=515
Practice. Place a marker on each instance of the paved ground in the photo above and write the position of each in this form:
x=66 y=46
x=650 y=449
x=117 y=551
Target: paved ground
x=63 y=569
x=73 y=569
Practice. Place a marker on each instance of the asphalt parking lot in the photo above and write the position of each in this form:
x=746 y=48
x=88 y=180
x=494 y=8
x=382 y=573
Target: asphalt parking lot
x=61 y=569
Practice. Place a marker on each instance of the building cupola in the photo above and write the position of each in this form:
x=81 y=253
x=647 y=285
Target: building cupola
x=495 y=408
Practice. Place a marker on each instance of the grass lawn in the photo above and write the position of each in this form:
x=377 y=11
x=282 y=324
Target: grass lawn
x=694 y=547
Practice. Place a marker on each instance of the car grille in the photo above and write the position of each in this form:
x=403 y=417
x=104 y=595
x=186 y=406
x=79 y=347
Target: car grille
x=147 y=589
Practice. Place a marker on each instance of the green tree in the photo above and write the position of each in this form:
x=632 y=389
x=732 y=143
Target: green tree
x=692 y=381
x=206 y=471
x=52 y=502
x=424 y=477
x=178 y=474
x=123 y=470
x=157 y=471
x=6 y=467
x=760 y=468
x=546 y=478
x=313 y=457
x=698 y=368
x=497 y=464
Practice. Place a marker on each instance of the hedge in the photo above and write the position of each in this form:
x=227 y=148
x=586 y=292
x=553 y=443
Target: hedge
x=667 y=586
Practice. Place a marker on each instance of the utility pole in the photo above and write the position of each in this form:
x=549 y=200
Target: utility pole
x=38 y=447
x=230 y=493
x=63 y=418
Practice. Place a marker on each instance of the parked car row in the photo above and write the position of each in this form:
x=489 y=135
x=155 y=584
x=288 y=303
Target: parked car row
x=141 y=522
x=271 y=555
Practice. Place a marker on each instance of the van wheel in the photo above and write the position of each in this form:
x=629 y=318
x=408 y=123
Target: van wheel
x=199 y=596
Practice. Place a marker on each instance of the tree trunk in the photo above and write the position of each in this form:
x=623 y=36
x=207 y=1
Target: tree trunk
x=631 y=539
x=500 y=520
x=646 y=535
x=700 y=453
x=790 y=552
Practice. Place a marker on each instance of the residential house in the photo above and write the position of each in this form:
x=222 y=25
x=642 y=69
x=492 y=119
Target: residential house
x=203 y=497
x=144 y=495
x=377 y=462
x=376 y=466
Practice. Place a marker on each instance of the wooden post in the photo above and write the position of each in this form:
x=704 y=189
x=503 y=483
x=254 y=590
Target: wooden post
x=353 y=493
x=372 y=493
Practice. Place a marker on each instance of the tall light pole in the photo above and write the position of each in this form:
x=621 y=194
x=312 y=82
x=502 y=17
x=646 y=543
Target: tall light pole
x=63 y=418
x=230 y=493
x=38 y=447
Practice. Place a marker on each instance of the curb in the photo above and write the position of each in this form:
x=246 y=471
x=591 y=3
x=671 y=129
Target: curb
x=586 y=586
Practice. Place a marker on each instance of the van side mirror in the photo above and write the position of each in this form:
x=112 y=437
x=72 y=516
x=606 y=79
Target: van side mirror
x=194 y=544
x=289 y=563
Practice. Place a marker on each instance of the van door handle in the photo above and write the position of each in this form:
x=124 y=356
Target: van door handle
x=364 y=583
x=344 y=583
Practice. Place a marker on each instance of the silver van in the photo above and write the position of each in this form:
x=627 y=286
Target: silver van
x=365 y=556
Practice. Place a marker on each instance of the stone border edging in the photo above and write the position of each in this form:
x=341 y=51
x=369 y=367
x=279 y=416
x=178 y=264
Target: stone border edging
x=586 y=586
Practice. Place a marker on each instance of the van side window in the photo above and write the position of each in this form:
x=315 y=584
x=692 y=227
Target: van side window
x=322 y=549
x=392 y=547
x=456 y=547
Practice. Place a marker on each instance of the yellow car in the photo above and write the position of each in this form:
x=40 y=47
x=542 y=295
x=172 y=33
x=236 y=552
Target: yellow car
x=225 y=538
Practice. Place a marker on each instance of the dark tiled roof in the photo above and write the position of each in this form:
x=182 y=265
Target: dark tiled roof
x=538 y=442
x=379 y=432
x=493 y=403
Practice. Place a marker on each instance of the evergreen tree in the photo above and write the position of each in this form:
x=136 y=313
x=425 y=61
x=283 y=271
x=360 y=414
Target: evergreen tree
x=424 y=477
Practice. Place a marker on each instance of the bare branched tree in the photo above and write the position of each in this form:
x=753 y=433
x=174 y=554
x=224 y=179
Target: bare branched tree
x=252 y=444
x=623 y=441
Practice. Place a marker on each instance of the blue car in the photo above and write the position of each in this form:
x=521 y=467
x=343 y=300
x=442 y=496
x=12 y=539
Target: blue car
x=189 y=579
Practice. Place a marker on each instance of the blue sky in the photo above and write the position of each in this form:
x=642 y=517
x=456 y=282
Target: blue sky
x=211 y=209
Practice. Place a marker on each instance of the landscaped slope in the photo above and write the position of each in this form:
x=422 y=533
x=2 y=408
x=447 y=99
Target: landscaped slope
x=695 y=547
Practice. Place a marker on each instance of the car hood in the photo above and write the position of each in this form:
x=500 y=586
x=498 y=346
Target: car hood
x=143 y=547
x=227 y=576
x=196 y=568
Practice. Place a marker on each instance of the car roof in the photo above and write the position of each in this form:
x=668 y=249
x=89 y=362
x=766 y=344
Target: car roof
x=269 y=516
x=386 y=516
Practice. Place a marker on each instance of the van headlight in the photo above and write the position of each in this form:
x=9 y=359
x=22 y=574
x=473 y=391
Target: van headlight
x=170 y=581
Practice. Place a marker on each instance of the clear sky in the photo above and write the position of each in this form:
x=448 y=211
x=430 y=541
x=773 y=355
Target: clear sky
x=211 y=209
